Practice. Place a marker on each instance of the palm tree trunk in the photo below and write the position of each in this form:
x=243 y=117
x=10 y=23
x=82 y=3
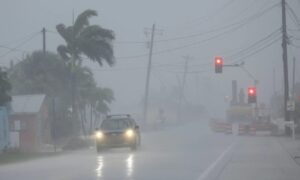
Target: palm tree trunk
x=75 y=118
x=82 y=123
x=91 y=122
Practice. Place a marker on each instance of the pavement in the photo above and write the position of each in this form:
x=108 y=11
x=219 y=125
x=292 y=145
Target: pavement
x=262 y=158
x=189 y=152
x=292 y=147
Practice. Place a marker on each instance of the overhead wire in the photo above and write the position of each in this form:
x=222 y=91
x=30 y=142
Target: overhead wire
x=201 y=33
x=191 y=35
x=293 y=15
x=7 y=44
x=213 y=14
x=295 y=45
x=232 y=29
x=241 y=59
x=21 y=44
x=13 y=49
x=245 y=52
x=238 y=25
x=257 y=44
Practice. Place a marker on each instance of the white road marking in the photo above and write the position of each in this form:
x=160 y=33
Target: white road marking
x=208 y=170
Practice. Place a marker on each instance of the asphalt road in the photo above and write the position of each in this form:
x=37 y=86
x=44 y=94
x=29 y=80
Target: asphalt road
x=177 y=153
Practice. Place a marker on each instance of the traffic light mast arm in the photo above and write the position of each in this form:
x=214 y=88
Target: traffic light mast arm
x=234 y=65
x=241 y=65
x=250 y=75
x=231 y=65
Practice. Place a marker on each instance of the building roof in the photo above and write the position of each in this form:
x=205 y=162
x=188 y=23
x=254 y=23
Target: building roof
x=27 y=104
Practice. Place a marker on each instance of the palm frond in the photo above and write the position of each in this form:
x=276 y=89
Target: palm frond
x=96 y=32
x=83 y=20
x=91 y=40
x=107 y=95
x=98 y=51
x=65 y=32
x=64 y=52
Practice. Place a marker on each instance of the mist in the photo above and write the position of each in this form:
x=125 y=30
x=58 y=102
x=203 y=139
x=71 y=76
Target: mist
x=190 y=127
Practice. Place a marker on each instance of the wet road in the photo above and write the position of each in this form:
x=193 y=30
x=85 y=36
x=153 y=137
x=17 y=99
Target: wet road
x=176 y=153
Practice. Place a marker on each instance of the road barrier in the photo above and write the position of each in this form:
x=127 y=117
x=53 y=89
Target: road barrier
x=246 y=129
x=232 y=128
x=220 y=126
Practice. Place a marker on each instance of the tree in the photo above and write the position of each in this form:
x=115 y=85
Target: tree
x=82 y=38
x=97 y=99
x=49 y=74
x=40 y=73
x=5 y=87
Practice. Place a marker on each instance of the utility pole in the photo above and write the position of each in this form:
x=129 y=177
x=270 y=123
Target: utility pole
x=294 y=73
x=148 y=76
x=285 y=64
x=274 y=81
x=181 y=95
x=54 y=124
x=44 y=40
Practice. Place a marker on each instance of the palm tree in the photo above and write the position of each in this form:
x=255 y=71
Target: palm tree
x=82 y=38
x=103 y=97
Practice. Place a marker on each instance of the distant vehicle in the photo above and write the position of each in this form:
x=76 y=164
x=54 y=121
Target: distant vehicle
x=118 y=131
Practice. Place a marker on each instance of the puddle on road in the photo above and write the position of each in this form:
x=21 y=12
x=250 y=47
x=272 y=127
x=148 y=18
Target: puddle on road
x=116 y=164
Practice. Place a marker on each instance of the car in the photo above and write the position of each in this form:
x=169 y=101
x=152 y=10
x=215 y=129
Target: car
x=118 y=131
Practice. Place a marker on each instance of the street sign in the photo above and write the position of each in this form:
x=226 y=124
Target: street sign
x=290 y=105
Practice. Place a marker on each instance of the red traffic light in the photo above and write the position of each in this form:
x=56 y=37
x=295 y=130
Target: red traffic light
x=251 y=91
x=218 y=64
x=251 y=95
x=218 y=61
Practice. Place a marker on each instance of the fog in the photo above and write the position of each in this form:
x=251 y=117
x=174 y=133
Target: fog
x=128 y=19
x=193 y=127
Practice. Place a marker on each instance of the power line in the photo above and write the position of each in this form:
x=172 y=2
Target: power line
x=240 y=24
x=230 y=26
x=255 y=52
x=13 y=49
x=213 y=14
x=256 y=44
x=203 y=65
x=205 y=32
x=293 y=15
x=21 y=44
x=294 y=38
x=7 y=44
x=295 y=45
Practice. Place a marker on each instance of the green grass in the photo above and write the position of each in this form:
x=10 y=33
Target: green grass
x=14 y=157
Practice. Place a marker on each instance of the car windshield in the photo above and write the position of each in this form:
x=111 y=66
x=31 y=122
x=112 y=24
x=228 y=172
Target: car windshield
x=115 y=124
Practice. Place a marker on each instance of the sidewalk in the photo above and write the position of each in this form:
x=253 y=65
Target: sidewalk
x=262 y=158
x=292 y=147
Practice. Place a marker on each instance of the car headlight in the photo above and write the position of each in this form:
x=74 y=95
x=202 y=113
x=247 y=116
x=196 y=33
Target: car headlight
x=99 y=135
x=129 y=133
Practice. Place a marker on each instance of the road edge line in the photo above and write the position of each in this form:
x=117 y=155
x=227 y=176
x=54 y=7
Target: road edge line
x=212 y=166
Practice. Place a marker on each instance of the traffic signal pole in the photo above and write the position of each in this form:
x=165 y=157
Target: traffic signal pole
x=285 y=63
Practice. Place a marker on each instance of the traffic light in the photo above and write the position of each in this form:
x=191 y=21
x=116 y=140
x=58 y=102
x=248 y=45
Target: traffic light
x=218 y=64
x=251 y=95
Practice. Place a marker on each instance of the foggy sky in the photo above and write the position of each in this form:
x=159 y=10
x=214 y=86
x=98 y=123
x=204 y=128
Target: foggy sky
x=176 y=18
